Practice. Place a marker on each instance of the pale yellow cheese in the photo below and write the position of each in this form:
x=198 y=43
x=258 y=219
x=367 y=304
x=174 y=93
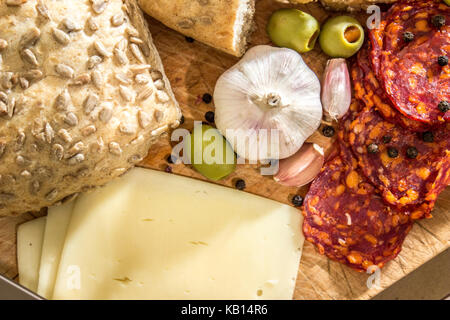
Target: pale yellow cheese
x=153 y=235
x=30 y=236
x=58 y=219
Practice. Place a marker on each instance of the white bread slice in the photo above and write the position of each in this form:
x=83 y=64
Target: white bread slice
x=223 y=24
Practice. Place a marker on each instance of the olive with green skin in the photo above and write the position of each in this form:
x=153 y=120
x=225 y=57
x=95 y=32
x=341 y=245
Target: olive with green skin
x=210 y=153
x=447 y=2
x=294 y=29
x=341 y=37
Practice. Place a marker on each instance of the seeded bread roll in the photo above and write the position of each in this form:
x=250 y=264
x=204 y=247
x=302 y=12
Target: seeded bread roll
x=223 y=24
x=83 y=96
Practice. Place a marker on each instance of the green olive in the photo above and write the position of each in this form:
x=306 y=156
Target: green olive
x=294 y=29
x=341 y=37
x=447 y=2
x=210 y=153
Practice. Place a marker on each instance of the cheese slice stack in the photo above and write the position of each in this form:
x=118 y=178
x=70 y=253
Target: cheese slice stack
x=153 y=235
x=30 y=237
x=58 y=219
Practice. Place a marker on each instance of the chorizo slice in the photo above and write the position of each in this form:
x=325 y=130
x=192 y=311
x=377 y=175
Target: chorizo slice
x=347 y=220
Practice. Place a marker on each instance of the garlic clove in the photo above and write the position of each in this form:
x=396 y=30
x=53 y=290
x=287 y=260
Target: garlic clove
x=337 y=90
x=268 y=104
x=302 y=167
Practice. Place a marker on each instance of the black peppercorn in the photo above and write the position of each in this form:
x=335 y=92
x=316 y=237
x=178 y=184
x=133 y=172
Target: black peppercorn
x=412 y=152
x=392 y=152
x=209 y=116
x=189 y=39
x=443 y=61
x=428 y=136
x=328 y=131
x=444 y=106
x=171 y=159
x=297 y=200
x=408 y=36
x=168 y=169
x=387 y=139
x=207 y=98
x=182 y=119
x=438 y=21
x=372 y=148
x=240 y=184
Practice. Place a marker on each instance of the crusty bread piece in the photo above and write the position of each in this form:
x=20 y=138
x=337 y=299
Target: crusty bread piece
x=341 y=5
x=222 y=24
x=83 y=95
x=297 y=1
x=351 y=5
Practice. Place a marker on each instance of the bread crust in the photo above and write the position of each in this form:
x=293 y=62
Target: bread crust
x=351 y=5
x=83 y=95
x=208 y=21
x=341 y=5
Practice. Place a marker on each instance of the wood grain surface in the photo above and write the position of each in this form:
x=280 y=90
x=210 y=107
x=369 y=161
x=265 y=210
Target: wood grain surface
x=193 y=69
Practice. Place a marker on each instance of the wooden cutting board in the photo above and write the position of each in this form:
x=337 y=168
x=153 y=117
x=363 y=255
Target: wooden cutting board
x=193 y=69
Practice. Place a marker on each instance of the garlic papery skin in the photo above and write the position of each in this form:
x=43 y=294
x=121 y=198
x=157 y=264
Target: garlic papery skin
x=336 y=90
x=268 y=104
x=301 y=168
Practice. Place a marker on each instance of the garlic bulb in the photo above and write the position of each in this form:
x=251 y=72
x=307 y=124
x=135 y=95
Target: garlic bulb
x=268 y=104
x=302 y=167
x=337 y=91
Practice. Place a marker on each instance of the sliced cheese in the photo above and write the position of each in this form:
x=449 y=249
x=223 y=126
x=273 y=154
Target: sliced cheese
x=58 y=219
x=153 y=235
x=30 y=236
